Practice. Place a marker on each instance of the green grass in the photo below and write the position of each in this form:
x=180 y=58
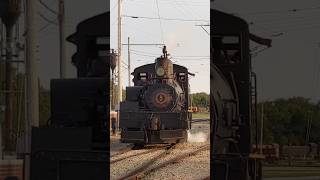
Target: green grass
x=290 y=171
x=201 y=115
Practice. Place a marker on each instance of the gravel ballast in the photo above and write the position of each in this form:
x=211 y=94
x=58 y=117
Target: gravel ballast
x=192 y=167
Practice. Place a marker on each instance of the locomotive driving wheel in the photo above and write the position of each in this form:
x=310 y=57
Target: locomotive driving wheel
x=185 y=137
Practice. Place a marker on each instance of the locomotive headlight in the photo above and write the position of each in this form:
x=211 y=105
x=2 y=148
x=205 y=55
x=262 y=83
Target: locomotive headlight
x=160 y=71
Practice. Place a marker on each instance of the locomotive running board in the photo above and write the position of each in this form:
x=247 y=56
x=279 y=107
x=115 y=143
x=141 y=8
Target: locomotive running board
x=169 y=134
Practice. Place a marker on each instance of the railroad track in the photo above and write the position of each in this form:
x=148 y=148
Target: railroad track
x=123 y=150
x=145 y=169
x=200 y=120
x=133 y=155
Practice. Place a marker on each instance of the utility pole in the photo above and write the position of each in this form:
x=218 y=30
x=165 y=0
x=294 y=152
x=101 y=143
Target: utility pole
x=310 y=125
x=9 y=13
x=62 y=45
x=261 y=130
x=32 y=74
x=8 y=123
x=308 y=128
x=119 y=55
x=129 y=61
x=129 y=70
x=2 y=106
x=307 y=132
x=119 y=63
x=113 y=64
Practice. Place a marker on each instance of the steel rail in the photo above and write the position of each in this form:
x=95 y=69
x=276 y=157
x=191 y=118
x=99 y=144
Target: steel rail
x=133 y=155
x=133 y=174
x=173 y=160
x=122 y=151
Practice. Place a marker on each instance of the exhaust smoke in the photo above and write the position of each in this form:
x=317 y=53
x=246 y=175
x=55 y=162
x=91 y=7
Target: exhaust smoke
x=197 y=137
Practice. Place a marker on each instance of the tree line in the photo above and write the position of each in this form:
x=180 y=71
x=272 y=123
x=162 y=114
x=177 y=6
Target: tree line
x=201 y=99
x=286 y=121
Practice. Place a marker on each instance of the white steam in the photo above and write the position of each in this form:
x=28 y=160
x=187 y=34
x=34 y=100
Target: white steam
x=197 y=137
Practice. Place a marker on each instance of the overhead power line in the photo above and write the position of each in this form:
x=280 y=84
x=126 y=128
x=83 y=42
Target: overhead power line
x=44 y=27
x=48 y=8
x=281 y=19
x=281 y=30
x=294 y=10
x=175 y=56
x=287 y=23
x=278 y=27
x=168 y=19
x=142 y=54
x=155 y=54
x=191 y=56
x=160 y=21
x=145 y=44
x=204 y=29
x=47 y=19
x=124 y=63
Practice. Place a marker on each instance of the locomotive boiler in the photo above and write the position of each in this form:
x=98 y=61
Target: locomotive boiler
x=156 y=107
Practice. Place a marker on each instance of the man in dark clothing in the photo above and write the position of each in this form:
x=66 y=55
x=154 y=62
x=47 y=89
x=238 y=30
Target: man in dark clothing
x=113 y=125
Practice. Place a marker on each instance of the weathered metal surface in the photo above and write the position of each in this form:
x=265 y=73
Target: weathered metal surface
x=233 y=96
x=157 y=104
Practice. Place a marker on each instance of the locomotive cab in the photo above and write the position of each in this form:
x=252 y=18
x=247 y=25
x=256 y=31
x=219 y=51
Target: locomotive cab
x=233 y=99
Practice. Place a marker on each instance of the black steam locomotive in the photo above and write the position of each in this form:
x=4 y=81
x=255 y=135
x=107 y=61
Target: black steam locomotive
x=233 y=99
x=74 y=145
x=156 y=107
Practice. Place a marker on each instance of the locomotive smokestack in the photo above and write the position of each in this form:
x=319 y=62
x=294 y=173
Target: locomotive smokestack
x=164 y=66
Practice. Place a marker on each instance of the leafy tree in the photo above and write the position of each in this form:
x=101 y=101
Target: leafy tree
x=200 y=99
x=286 y=121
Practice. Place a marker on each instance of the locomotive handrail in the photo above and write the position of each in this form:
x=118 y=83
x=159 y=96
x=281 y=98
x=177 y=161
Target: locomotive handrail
x=260 y=40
